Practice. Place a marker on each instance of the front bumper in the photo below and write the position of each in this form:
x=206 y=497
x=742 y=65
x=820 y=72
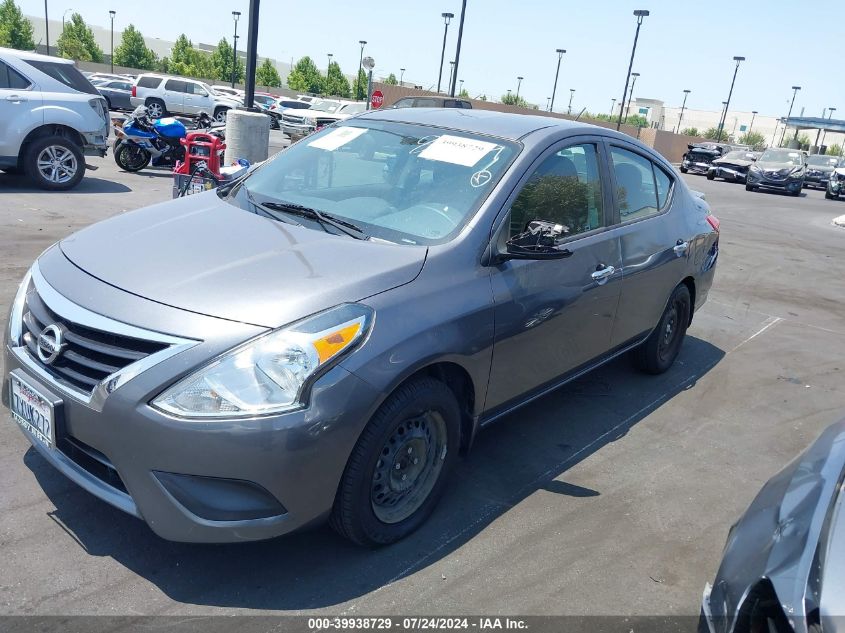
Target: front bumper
x=695 y=167
x=96 y=143
x=201 y=481
x=835 y=187
x=297 y=130
x=816 y=180
x=791 y=185
x=728 y=173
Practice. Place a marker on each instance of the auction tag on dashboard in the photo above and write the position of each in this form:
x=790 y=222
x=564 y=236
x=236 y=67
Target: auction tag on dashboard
x=457 y=150
x=337 y=138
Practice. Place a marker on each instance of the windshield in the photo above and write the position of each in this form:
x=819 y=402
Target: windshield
x=781 y=156
x=823 y=161
x=265 y=100
x=65 y=73
x=403 y=183
x=354 y=108
x=326 y=106
x=737 y=155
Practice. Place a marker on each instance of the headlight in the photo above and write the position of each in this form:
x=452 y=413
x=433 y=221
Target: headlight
x=269 y=374
x=309 y=121
x=754 y=169
x=16 y=315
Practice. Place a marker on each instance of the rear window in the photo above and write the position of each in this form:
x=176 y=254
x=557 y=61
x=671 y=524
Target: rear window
x=296 y=105
x=11 y=79
x=65 y=73
x=149 y=82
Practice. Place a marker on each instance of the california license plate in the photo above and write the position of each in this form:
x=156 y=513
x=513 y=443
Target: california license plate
x=32 y=411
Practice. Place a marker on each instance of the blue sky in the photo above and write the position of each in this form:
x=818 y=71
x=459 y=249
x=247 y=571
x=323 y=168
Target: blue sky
x=683 y=44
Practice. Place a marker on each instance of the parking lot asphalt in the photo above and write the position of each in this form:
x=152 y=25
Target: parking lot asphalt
x=612 y=495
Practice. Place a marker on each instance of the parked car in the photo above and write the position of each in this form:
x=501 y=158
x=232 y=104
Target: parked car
x=698 y=157
x=174 y=95
x=225 y=91
x=819 y=169
x=836 y=183
x=732 y=166
x=778 y=170
x=117 y=93
x=783 y=567
x=107 y=76
x=298 y=123
x=264 y=100
x=51 y=117
x=348 y=316
x=432 y=102
x=277 y=109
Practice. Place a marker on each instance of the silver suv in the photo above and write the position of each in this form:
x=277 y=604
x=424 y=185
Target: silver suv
x=176 y=95
x=50 y=118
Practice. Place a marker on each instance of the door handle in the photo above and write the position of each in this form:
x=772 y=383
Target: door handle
x=602 y=273
x=681 y=248
x=17 y=98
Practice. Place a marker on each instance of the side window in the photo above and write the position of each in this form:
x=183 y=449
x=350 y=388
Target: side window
x=175 y=85
x=664 y=185
x=192 y=88
x=636 y=193
x=149 y=82
x=425 y=103
x=565 y=189
x=12 y=79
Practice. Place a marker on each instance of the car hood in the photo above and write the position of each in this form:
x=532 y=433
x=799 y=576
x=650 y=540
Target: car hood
x=827 y=169
x=741 y=162
x=205 y=255
x=774 y=166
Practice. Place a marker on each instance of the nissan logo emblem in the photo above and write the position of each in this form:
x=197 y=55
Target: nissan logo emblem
x=51 y=342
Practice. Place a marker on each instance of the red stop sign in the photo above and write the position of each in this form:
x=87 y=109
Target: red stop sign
x=378 y=99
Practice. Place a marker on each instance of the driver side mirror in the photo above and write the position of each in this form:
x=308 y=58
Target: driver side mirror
x=537 y=242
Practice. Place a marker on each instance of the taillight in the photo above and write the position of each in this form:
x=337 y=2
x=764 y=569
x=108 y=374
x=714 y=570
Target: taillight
x=713 y=221
x=134 y=91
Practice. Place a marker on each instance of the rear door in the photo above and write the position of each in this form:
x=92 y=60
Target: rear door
x=654 y=238
x=555 y=316
x=174 y=95
x=20 y=111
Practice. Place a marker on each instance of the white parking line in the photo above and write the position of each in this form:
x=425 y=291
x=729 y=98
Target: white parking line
x=772 y=320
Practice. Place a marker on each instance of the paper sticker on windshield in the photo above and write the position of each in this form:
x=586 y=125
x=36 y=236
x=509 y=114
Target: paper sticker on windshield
x=457 y=150
x=337 y=138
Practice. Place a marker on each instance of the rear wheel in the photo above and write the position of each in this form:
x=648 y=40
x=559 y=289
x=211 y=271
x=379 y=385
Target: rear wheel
x=155 y=108
x=130 y=157
x=660 y=349
x=54 y=162
x=220 y=115
x=399 y=466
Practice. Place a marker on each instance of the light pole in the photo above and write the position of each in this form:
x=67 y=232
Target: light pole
x=330 y=55
x=560 y=52
x=548 y=99
x=640 y=14
x=571 y=94
x=795 y=90
x=451 y=71
x=458 y=47
x=363 y=43
x=401 y=75
x=111 y=15
x=46 y=27
x=447 y=17
x=612 y=106
x=63 y=18
x=751 y=125
x=683 y=107
x=461 y=90
x=829 y=117
x=518 y=86
x=235 y=15
x=631 y=94
x=738 y=59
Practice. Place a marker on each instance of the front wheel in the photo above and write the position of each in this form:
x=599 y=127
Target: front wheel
x=130 y=157
x=749 y=187
x=828 y=195
x=660 y=349
x=683 y=170
x=399 y=465
x=710 y=175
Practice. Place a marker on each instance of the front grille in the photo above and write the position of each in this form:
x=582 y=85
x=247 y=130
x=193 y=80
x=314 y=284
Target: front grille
x=289 y=118
x=92 y=461
x=90 y=355
x=322 y=122
x=774 y=175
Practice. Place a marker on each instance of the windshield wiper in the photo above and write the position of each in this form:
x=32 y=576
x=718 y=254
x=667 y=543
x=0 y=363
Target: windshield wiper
x=268 y=211
x=348 y=228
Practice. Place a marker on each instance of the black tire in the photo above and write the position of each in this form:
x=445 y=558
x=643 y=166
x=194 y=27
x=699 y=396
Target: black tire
x=108 y=104
x=156 y=108
x=710 y=176
x=660 y=349
x=828 y=196
x=66 y=163
x=220 y=115
x=384 y=450
x=750 y=187
x=130 y=157
x=683 y=170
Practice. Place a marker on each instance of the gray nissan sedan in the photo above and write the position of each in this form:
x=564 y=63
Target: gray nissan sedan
x=323 y=338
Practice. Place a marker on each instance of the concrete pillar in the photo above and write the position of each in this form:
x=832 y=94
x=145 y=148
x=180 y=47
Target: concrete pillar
x=247 y=136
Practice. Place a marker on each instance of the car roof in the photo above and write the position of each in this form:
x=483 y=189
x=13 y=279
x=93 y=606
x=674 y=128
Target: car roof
x=35 y=56
x=505 y=125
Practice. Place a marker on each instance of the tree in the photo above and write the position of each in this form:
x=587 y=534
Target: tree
x=833 y=150
x=267 y=75
x=305 y=76
x=512 y=99
x=336 y=84
x=15 y=29
x=133 y=51
x=754 y=139
x=77 y=41
x=186 y=60
x=359 y=86
x=221 y=62
x=691 y=131
x=713 y=134
x=464 y=94
x=391 y=80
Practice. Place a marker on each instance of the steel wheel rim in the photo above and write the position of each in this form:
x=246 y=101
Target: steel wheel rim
x=408 y=467
x=57 y=164
x=669 y=331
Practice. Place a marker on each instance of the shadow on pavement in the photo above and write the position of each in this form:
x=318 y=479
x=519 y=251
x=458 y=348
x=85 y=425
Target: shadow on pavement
x=520 y=454
x=16 y=183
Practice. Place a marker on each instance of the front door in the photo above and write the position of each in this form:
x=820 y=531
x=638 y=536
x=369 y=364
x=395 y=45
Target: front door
x=197 y=99
x=554 y=316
